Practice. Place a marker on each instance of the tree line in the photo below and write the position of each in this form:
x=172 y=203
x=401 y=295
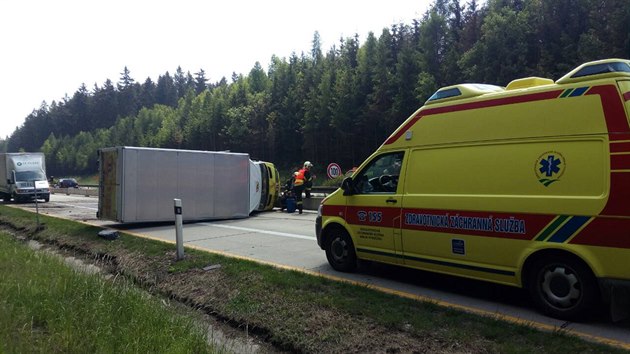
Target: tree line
x=327 y=106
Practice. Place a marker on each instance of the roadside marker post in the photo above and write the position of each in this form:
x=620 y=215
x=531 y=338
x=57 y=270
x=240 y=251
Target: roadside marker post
x=179 y=231
x=36 y=204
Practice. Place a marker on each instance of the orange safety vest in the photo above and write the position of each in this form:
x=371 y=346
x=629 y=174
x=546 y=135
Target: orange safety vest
x=299 y=178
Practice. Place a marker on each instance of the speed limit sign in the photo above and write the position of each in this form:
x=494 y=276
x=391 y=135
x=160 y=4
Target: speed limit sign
x=333 y=170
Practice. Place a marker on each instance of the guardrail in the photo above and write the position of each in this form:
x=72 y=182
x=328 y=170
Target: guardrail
x=88 y=192
x=323 y=190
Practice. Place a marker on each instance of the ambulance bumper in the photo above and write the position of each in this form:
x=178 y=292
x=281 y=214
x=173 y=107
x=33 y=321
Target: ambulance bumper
x=318 y=230
x=617 y=293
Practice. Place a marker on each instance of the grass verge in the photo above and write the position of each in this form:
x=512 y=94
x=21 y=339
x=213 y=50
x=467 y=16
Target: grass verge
x=294 y=311
x=47 y=307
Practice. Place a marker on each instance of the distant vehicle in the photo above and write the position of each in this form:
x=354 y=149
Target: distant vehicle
x=22 y=175
x=139 y=184
x=68 y=183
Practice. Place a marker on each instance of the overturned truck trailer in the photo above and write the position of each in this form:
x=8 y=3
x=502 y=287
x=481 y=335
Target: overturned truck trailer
x=139 y=184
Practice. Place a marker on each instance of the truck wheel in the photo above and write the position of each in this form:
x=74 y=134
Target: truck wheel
x=340 y=251
x=563 y=287
x=47 y=199
x=6 y=197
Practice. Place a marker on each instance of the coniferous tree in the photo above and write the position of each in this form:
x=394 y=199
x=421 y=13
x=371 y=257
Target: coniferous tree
x=201 y=82
x=105 y=107
x=314 y=141
x=368 y=125
x=166 y=92
x=147 y=93
x=258 y=80
x=128 y=91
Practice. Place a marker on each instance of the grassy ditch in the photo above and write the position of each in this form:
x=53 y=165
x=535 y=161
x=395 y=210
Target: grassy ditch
x=47 y=307
x=291 y=310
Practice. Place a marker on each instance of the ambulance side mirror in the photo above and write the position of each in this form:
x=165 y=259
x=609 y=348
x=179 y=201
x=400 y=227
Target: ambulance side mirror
x=346 y=186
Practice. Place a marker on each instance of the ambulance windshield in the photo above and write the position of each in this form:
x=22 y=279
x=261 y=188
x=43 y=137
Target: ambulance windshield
x=602 y=69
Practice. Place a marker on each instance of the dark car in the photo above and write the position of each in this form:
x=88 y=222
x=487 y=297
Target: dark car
x=68 y=183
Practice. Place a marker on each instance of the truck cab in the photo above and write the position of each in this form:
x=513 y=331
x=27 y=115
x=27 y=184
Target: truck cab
x=24 y=177
x=264 y=185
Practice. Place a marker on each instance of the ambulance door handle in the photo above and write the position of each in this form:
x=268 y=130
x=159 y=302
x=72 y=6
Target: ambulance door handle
x=391 y=200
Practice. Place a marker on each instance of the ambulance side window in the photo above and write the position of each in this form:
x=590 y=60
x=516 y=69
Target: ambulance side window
x=381 y=175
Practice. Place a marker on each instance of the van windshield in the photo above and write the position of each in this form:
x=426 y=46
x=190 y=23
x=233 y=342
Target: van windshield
x=602 y=68
x=27 y=176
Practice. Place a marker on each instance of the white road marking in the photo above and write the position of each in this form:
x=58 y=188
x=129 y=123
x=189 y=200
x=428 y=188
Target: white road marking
x=282 y=234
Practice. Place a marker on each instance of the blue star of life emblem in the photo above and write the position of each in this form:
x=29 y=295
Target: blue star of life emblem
x=550 y=167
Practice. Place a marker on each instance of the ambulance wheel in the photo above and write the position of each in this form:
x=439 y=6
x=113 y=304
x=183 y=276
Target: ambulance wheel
x=563 y=287
x=340 y=251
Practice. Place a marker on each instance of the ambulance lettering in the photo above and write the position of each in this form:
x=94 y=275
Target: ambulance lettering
x=375 y=216
x=370 y=216
x=471 y=223
x=430 y=220
x=490 y=224
x=510 y=226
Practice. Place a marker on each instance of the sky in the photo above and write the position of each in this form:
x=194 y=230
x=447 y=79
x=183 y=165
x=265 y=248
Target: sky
x=49 y=48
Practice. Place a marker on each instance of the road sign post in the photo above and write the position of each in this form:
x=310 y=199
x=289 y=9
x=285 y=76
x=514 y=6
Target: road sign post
x=36 y=204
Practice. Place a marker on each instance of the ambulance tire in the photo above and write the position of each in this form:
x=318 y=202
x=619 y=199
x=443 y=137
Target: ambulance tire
x=340 y=251
x=563 y=287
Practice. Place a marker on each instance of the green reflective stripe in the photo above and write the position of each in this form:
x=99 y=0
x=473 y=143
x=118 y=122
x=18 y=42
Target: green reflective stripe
x=579 y=91
x=551 y=228
x=440 y=262
x=569 y=229
x=380 y=253
x=566 y=93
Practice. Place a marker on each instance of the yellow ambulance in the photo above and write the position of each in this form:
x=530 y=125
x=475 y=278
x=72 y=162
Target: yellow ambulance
x=527 y=185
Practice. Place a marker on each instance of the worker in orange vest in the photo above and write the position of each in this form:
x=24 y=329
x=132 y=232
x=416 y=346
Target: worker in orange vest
x=308 y=178
x=303 y=180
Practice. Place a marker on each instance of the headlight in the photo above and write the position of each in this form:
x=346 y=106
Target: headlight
x=319 y=210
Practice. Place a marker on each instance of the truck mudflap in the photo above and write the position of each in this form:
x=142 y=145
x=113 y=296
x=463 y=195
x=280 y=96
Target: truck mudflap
x=617 y=293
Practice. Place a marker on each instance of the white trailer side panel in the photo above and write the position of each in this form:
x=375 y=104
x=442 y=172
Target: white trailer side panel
x=4 y=172
x=211 y=185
